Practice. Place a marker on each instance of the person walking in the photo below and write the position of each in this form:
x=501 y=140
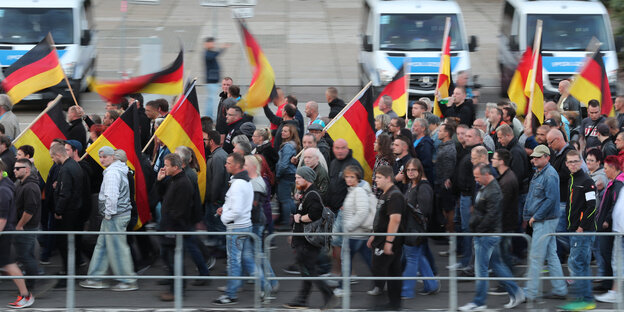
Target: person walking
x=115 y=206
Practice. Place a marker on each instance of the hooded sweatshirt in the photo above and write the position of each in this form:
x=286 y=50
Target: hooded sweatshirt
x=114 y=197
x=28 y=199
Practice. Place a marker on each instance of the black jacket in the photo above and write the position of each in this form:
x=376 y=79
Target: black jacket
x=176 y=195
x=519 y=164
x=269 y=153
x=487 y=213
x=399 y=167
x=605 y=209
x=557 y=160
x=337 y=189
x=464 y=180
x=28 y=199
x=465 y=112
x=144 y=126
x=233 y=130
x=509 y=187
x=424 y=152
x=8 y=158
x=220 y=122
x=311 y=206
x=608 y=148
x=77 y=132
x=68 y=192
x=336 y=105
x=581 y=209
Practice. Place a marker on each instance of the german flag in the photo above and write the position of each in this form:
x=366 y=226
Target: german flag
x=183 y=127
x=122 y=135
x=445 y=81
x=536 y=102
x=591 y=83
x=48 y=126
x=357 y=127
x=36 y=70
x=518 y=82
x=262 y=88
x=167 y=81
x=397 y=90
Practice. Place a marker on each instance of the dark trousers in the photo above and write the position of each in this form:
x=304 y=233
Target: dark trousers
x=605 y=244
x=69 y=222
x=25 y=254
x=307 y=256
x=167 y=249
x=389 y=265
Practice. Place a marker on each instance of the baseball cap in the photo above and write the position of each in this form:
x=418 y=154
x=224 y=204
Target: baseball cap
x=540 y=151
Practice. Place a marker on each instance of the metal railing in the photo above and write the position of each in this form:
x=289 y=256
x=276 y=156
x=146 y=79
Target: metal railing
x=177 y=276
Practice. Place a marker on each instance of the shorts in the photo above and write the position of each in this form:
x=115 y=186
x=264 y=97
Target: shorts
x=337 y=228
x=6 y=256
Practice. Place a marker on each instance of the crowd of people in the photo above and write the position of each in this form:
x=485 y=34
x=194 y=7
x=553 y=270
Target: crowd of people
x=463 y=173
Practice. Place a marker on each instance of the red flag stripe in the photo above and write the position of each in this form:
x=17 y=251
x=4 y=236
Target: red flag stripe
x=45 y=64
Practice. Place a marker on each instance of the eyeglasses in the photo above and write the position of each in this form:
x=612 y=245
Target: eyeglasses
x=551 y=141
x=18 y=168
x=411 y=170
x=536 y=157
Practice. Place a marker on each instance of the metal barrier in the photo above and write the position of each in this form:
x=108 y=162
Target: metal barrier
x=617 y=250
x=346 y=262
x=177 y=264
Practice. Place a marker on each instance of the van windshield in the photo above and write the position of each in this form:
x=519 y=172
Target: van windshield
x=568 y=32
x=417 y=32
x=29 y=25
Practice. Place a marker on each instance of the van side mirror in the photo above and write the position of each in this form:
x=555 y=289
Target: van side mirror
x=366 y=44
x=472 y=46
x=85 y=38
x=513 y=43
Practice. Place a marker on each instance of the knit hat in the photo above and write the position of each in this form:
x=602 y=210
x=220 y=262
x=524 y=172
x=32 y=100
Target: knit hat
x=307 y=173
x=106 y=151
x=248 y=129
x=76 y=145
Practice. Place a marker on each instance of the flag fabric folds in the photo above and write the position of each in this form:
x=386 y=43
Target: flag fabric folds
x=36 y=70
x=518 y=82
x=357 y=127
x=445 y=81
x=48 y=127
x=167 y=82
x=262 y=88
x=536 y=103
x=591 y=83
x=124 y=134
x=183 y=127
x=397 y=90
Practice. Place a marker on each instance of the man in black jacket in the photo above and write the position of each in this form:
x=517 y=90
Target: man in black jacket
x=176 y=196
x=487 y=218
x=28 y=205
x=509 y=186
x=67 y=198
x=221 y=123
x=144 y=121
x=335 y=104
x=77 y=130
x=459 y=107
x=401 y=148
x=580 y=215
x=234 y=118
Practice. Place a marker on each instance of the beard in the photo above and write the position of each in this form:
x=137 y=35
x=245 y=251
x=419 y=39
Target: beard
x=301 y=187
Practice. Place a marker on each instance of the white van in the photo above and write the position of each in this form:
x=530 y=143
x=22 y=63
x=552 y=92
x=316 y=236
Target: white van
x=395 y=30
x=568 y=27
x=23 y=23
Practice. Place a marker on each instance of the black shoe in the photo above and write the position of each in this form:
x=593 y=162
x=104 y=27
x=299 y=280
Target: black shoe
x=297 y=304
x=330 y=303
x=386 y=307
x=554 y=297
x=62 y=283
x=201 y=282
x=601 y=289
x=165 y=282
x=497 y=291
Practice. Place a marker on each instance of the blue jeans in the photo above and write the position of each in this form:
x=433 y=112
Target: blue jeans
x=337 y=228
x=214 y=224
x=258 y=229
x=358 y=246
x=212 y=93
x=285 y=186
x=487 y=254
x=544 y=249
x=112 y=250
x=416 y=262
x=191 y=246
x=464 y=209
x=580 y=256
x=240 y=253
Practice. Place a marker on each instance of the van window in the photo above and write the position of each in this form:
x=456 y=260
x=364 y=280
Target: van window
x=568 y=32
x=29 y=26
x=417 y=32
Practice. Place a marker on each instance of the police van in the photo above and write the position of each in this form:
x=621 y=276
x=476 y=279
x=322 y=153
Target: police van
x=23 y=23
x=568 y=27
x=394 y=32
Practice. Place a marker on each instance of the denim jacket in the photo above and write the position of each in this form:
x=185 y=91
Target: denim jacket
x=285 y=168
x=542 y=201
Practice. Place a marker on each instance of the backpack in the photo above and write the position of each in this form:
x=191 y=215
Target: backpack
x=413 y=220
x=323 y=225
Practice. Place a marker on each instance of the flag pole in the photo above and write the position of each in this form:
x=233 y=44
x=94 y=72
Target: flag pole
x=536 y=51
x=64 y=75
x=331 y=123
x=447 y=30
x=186 y=94
x=49 y=107
x=407 y=83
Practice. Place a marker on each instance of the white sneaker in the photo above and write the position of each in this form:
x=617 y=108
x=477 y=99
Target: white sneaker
x=472 y=307
x=376 y=291
x=516 y=301
x=456 y=266
x=338 y=292
x=610 y=296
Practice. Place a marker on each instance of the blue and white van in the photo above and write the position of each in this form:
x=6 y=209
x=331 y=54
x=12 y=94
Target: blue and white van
x=23 y=23
x=412 y=30
x=568 y=27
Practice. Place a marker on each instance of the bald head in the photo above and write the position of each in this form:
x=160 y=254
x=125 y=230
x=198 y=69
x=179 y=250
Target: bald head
x=341 y=149
x=311 y=109
x=564 y=86
x=555 y=139
x=550 y=106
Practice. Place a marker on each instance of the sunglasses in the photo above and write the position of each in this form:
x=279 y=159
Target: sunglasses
x=18 y=168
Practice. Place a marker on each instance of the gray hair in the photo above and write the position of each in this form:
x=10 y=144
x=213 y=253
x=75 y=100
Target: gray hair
x=120 y=155
x=239 y=139
x=387 y=100
x=158 y=121
x=185 y=154
x=384 y=120
x=423 y=123
x=245 y=147
x=5 y=102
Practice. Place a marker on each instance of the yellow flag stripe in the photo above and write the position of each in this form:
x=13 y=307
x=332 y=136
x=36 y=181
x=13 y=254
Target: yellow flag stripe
x=42 y=160
x=35 y=83
x=343 y=130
